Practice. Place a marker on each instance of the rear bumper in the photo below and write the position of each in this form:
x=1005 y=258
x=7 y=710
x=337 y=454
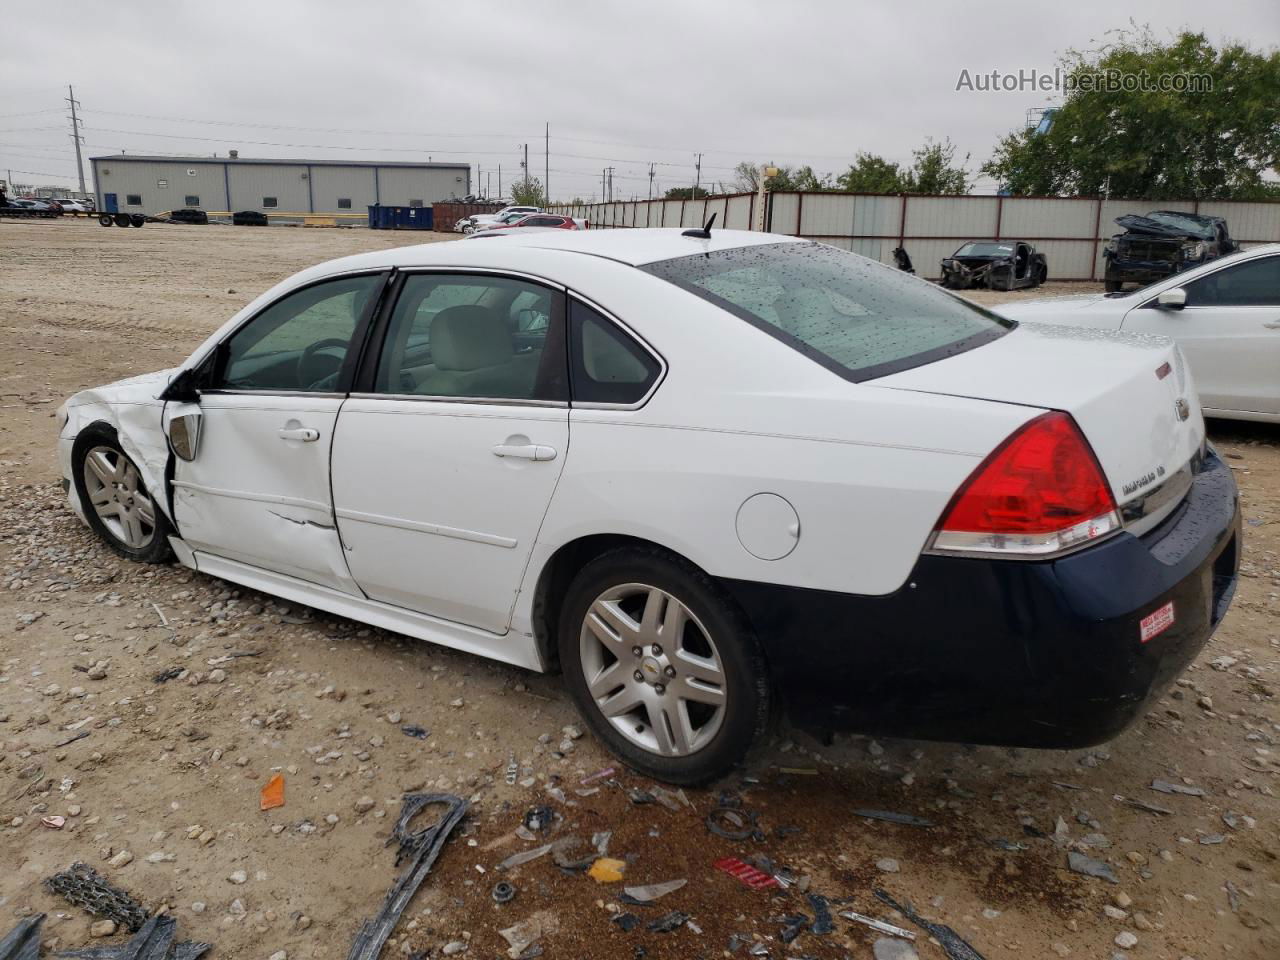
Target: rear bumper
x=1038 y=654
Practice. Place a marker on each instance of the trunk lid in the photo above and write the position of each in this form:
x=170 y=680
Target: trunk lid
x=1131 y=395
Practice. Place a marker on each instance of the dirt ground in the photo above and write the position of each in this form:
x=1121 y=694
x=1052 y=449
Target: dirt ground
x=169 y=774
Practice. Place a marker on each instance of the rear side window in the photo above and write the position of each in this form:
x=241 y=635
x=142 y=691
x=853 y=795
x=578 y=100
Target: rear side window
x=606 y=365
x=858 y=318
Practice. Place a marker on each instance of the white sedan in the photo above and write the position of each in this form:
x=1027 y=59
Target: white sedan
x=706 y=475
x=1225 y=315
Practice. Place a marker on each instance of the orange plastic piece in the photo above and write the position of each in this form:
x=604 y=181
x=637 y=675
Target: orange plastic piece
x=607 y=870
x=273 y=793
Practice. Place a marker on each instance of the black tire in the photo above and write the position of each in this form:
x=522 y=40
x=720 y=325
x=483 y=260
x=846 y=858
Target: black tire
x=105 y=219
x=121 y=219
x=137 y=220
x=747 y=703
x=1042 y=274
x=1112 y=286
x=157 y=549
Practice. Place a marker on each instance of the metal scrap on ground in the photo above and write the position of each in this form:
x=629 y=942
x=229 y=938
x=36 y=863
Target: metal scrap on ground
x=154 y=941
x=23 y=941
x=1164 y=786
x=890 y=817
x=81 y=886
x=956 y=947
x=879 y=925
x=421 y=850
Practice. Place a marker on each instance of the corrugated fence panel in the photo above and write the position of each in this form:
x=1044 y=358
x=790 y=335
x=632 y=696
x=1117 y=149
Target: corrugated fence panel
x=720 y=208
x=1067 y=259
x=1247 y=222
x=738 y=212
x=926 y=255
x=671 y=213
x=826 y=215
x=783 y=212
x=1032 y=217
x=962 y=217
x=878 y=217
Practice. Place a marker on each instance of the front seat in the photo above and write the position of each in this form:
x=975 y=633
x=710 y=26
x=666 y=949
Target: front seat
x=473 y=356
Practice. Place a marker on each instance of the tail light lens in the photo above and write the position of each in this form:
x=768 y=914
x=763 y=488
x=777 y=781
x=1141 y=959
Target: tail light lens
x=1040 y=492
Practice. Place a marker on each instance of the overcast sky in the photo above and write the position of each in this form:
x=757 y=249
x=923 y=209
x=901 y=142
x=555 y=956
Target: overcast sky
x=621 y=83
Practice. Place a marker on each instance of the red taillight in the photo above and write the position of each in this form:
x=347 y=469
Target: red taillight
x=1039 y=492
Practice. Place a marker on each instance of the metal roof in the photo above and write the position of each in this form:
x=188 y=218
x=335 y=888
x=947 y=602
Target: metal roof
x=145 y=158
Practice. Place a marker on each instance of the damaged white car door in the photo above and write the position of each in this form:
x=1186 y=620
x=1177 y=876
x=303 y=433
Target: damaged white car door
x=449 y=449
x=257 y=488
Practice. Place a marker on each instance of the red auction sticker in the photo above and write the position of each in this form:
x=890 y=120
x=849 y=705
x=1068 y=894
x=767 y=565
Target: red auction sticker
x=1157 y=623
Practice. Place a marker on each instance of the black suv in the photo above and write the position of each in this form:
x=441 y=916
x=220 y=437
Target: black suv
x=1162 y=243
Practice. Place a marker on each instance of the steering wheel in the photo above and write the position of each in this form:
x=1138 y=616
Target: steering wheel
x=308 y=356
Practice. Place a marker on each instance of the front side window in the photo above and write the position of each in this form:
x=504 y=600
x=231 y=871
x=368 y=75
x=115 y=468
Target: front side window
x=301 y=341
x=1252 y=284
x=858 y=318
x=270 y=201
x=474 y=336
x=606 y=364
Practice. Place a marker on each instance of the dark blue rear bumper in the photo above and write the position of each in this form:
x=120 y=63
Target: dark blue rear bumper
x=1039 y=654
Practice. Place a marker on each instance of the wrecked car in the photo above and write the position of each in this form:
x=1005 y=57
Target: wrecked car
x=703 y=474
x=996 y=265
x=1162 y=243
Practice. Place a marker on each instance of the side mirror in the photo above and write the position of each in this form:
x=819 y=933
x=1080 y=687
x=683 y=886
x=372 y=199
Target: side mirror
x=183 y=431
x=1174 y=299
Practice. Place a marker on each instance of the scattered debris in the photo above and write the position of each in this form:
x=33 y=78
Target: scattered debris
x=415 y=731
x=272 y=794
x=72 y=739
x=1213 y=838
x=561 y=849
x=653 y=891
x=890 y=817
x=164 y=676
x=875 y=924
x=668 y=922
x=956 y=947
x=1164 y=786
x=1009 y=846
x=524 y=856
x=1233 y=899
x=741 y=825
x=160 y=613
x=421 y=850
x=821 y=907
x=607 y=870
x=23 y=941
x=1143 y=805
x=749 y=875
x=627 y=921
x=598 y=775
x=799 y=771
x=1090 y=867
x=81 y=886
x=1235 y=820
x=513 y=771
x=53 y=823
x=539 y=818
x=886 y=949
x=522 y=936
x=154 y=941
x=503 y=892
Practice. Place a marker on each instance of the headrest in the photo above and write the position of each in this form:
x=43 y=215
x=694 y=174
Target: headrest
x=469 y=337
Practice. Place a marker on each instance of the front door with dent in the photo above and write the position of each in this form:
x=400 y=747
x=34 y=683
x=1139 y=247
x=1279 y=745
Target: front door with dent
x=258 y=489
x=448 y=452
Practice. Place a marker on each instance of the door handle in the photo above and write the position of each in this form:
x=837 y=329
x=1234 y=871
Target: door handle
x=305 y=434
x=525 y=451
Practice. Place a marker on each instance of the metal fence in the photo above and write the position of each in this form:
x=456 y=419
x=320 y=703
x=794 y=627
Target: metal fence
x=1071 y=232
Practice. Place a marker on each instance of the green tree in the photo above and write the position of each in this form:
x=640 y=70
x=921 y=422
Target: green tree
x=528 y=193
x=747 y=178
x=871 y=174
x=686 y=193
x=934 y=171
x=1214 y=143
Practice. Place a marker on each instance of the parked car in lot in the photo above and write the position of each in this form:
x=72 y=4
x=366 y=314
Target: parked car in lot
x=1225 y=315
x=996 y=265
x=72 y=205
x=528 y=220
x=469 y=224
x=1162 y=243
x=703 y=474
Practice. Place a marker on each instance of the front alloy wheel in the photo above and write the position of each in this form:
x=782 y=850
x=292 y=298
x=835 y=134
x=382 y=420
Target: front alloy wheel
x=115 y=501
x=662 y=665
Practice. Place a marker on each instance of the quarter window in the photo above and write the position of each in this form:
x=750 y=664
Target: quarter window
x=344 y=203
x=1252 y=284
x=133 y=200
x=191 y=200
x=270 y=201
x=301 y=341
x=606 y=364
x=474 y=336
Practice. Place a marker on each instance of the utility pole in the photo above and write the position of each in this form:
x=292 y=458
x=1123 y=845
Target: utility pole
x=651 y=181
x=499 y=181
x=697 y=175
x=611 y=184
x=546 y=165
x=604 y=176
x=76 y=138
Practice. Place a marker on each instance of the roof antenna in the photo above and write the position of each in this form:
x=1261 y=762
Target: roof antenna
x=705 y=232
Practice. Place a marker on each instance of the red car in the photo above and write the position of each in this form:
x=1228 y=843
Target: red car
x=537 y=220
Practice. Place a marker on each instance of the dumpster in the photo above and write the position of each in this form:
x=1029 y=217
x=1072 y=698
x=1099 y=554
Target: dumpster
x=399 y=218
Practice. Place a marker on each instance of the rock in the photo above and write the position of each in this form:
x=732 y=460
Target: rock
x=198 y=907
x=572 y=731
x=886 y=948
x=456 y=946
x=1125 y=940
x=303 y=922
x=887 y=865
x=279 y=954
x=97 y=672
x=364 y=804
x=1205 y=702
x=1090 y=867
x=456 y=702
x=1115 y=913
x=1142 y=923
x=217 y=675
x=121 y=859
x=238 y=877
x=1061 y=949
x=393 y=716
x=875 y=749
x=160 y=857
x=1122 y=899
x=102 y=928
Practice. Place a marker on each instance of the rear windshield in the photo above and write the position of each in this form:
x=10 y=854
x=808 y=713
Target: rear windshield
x=856 y=317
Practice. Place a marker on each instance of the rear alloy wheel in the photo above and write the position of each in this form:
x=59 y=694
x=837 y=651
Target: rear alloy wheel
x=662 y=666
x=116 y=502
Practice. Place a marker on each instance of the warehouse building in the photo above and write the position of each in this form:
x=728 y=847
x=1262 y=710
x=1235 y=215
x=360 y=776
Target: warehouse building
x=287 y=188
